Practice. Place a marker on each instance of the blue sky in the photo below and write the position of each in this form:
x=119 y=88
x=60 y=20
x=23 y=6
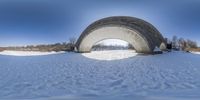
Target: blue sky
x=24 y=22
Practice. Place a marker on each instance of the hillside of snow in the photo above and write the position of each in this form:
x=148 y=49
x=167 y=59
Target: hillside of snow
x=76 y=76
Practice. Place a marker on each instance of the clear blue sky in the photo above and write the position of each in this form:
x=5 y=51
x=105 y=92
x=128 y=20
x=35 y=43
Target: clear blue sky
x=24 y=22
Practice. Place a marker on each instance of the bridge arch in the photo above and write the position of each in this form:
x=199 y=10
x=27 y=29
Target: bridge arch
x=143 y=36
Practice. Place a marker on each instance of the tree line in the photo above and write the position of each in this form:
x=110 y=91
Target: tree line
x=65 y=46
x=100 y=47
x=174 y=43
x=181 y=43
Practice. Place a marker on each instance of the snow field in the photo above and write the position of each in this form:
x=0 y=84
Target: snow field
x=173 y=76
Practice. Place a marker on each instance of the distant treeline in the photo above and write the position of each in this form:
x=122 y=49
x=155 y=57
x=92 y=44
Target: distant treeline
x=43 y=48
x=65 y=46
x=100 y=47
x=182 y=44
x=174 y=43
x=1 y=49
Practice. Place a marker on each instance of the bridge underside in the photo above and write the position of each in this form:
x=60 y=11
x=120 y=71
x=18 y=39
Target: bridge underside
x=140 y=34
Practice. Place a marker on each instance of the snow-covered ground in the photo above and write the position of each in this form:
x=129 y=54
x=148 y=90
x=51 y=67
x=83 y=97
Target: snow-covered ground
x=110 y=54
x=196 y=53
x=27 y=53
x=74 y=76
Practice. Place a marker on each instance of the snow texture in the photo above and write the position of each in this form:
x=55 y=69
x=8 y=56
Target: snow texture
x=72 y=76
x=111 y=54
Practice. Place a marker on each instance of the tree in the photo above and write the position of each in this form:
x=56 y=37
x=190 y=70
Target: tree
x=174 y=42
x=182 y=43
x=191 y=44
x=72 y=43
x=72 y=40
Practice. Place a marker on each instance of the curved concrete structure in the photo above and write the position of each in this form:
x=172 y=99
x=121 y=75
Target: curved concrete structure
x=143 y=36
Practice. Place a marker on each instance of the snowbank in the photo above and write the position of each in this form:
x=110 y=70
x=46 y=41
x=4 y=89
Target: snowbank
x=110 y=54
x=27 y=53
x=196 y=53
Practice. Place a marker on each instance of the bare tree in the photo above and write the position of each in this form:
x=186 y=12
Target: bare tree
x=72 y=40
x=191 y=44
x=174 y=42
x=72 y=43
x=182 y=43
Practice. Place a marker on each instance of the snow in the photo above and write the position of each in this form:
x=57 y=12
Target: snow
x=156 y=49
x=196 y=52
x=110 y=42
x=110 y=54
x=73 y=76
x=27 y=53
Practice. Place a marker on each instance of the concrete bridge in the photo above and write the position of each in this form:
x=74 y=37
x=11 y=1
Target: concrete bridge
x=143 y=36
